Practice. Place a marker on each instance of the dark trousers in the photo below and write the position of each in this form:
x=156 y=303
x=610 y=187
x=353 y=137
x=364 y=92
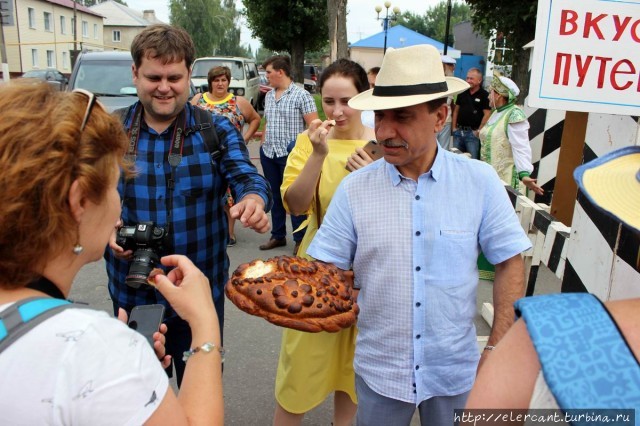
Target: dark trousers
x=273 y=170
x=178 y=339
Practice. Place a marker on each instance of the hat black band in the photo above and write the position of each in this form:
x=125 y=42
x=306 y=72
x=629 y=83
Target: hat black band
x=416 y=89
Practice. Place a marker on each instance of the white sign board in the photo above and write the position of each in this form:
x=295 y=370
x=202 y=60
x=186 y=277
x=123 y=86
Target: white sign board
x=587 y=56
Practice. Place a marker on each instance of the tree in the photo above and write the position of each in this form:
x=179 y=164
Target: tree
x=230 y=43
x=516 y=21
x=337 y=16
x=203 y=19
x=262 y=54
x=433 y=23
x=292 y=26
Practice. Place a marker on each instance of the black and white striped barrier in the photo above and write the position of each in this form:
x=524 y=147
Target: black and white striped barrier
x=549 y=238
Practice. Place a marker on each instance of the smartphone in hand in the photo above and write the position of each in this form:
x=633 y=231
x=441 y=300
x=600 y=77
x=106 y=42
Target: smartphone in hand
x=374 y=150
x=146 y=320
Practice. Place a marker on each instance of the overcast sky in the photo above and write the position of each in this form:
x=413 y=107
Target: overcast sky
x=361 y=17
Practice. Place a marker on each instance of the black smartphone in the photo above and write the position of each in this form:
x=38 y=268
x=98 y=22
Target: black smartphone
x=146 y=320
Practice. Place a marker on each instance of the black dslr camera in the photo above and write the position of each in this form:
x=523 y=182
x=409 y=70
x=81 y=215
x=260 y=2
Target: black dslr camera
x=146 y=240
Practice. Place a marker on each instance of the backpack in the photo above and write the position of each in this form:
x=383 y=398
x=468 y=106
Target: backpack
x=24 y=315
x=204 y=124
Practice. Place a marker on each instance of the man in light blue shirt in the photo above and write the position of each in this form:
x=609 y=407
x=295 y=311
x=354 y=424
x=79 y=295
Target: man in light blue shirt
x=411 y=226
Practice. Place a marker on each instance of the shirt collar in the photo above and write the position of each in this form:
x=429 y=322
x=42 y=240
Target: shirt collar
x=435 y=172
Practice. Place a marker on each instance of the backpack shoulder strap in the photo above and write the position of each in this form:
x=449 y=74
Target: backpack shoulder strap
x=575 y=338
x=24 y=315
x=204 y=124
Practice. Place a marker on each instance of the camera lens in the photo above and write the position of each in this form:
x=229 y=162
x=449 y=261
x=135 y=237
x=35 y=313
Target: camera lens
x=144 y=260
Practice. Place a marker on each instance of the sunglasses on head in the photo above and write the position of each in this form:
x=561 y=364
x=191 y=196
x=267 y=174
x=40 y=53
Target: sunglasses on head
x=87 y=113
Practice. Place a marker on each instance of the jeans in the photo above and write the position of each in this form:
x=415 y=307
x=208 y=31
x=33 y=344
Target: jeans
x=444 y=136
x=466 y=141
x=273 y=170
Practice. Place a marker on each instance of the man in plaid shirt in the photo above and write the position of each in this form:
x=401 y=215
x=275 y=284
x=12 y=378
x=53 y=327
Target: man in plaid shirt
x=192 y=208
x=287 y=109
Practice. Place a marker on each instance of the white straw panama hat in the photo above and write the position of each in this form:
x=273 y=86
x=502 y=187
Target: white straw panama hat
x=409 y=76
x=612 y=183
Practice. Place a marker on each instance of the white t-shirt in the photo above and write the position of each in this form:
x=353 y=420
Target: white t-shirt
x=80 y=367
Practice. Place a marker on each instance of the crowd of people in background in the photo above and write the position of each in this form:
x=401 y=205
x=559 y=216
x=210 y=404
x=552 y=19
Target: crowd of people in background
x=74 y=175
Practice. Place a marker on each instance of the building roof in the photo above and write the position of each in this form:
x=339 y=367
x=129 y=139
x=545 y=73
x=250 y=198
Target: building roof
x=119 y=15
x=401 y=36
x=78 y=6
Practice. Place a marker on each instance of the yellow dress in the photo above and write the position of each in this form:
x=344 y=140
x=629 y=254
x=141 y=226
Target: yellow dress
x=313 y=365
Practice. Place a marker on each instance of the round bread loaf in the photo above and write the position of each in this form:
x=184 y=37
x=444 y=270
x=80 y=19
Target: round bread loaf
x=296 y=293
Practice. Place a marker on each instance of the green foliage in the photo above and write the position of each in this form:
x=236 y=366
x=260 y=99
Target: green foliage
x=433 y=23
x=279 y=24
x=262 y=54
x=516 y=20
x=318 y=100
x=315 y=56
x=230 y=43
x=204 y=20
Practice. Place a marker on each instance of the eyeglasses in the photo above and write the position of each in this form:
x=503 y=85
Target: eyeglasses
x=87 y=113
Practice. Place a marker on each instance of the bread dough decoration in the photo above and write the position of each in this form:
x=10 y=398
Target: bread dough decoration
x=296 y=293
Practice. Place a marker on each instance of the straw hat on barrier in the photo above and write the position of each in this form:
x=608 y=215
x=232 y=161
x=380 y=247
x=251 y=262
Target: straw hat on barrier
x=612 y=183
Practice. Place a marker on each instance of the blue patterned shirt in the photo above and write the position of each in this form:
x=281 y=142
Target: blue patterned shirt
x=414 y=248
x=198 y=222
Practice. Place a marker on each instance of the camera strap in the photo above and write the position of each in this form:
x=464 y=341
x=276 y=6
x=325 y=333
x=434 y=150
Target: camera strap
x=175 y=153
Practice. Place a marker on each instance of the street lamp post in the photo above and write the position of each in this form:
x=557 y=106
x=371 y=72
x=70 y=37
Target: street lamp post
x=386 y=19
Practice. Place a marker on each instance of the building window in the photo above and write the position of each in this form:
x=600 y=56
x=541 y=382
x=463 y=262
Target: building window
x=48 y=21
x=34 y=58
x=73 y=27
x=63 y=25
x=32 y=17
x=51 y=62
x=85 y=29
x=116 y=36
x=95 y=31
x=65 y=60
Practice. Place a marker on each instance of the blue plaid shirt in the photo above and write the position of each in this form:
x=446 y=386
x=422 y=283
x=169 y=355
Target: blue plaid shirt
x=198 y=222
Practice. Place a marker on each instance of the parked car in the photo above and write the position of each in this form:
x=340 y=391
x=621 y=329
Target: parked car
x=309 y=85
x=311 y=72
x=108 y=75
x=49 y=74
x=245 y=80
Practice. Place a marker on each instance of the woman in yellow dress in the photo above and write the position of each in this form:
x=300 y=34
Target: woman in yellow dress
x=313 y=365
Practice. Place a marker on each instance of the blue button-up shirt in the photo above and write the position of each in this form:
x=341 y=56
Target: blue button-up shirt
x=198 y=222
x=414 y=247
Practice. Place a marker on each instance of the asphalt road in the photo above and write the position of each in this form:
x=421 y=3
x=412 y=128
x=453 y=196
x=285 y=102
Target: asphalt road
x=252 y=344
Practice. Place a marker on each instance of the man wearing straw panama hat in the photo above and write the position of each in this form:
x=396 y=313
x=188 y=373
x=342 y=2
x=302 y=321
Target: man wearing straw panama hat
x=411 y=226
x=582 y=361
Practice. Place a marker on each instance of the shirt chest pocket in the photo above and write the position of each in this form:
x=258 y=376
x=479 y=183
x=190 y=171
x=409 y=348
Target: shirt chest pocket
x=196 y=176
x=458 y=244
